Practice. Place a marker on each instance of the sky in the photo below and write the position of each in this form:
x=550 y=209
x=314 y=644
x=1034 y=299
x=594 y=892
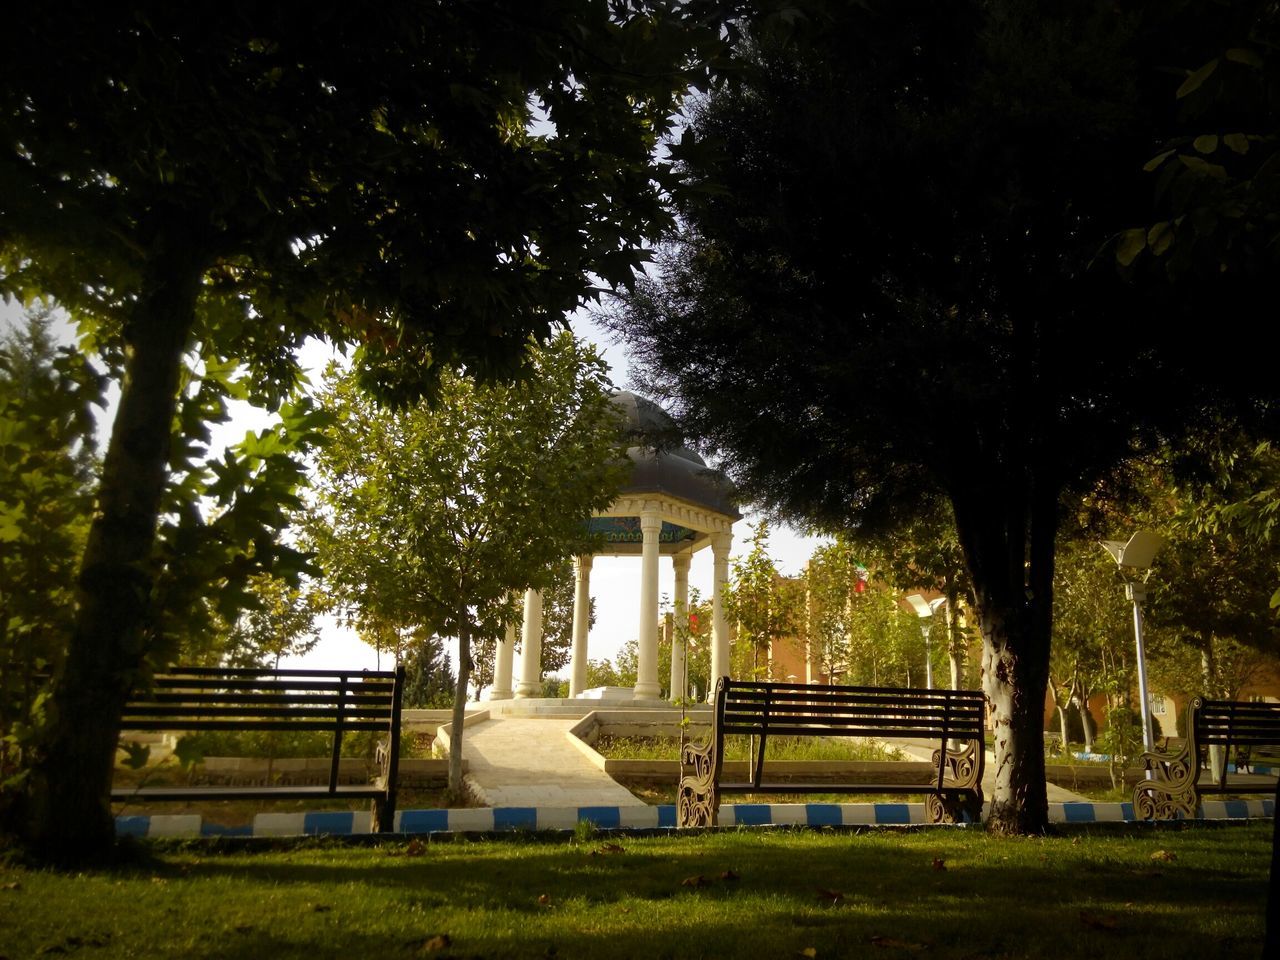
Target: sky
x=615 y=581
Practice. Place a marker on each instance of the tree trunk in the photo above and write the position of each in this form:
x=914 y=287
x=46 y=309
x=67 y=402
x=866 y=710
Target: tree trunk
x=1086 y=723
x=1209 y=670
x=69 y=814
x=1008 y=540
x=457 y=792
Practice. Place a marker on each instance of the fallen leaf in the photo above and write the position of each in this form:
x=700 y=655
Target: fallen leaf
x=544 y=900
x=416 y=848
x=830 y=896
x=939 y=863
x=898 y=944
x=11 y=886
x=1098 y=921
x=696 y=881
x=1165 y=856
x=808 y=952
x=432 y=944
x=729 y=875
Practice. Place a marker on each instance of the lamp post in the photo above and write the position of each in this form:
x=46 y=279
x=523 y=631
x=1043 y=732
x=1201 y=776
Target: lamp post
x=925 y=610
x=1133 y=559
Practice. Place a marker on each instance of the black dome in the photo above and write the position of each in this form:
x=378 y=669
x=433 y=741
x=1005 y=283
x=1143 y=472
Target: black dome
x=661 y=463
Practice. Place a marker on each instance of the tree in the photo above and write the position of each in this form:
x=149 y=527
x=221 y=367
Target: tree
x=898 y=280
x=885 y=647
x=1091 y=632
x=282 y=622
x=47 y=467
x=829 y=583
x=235 y=180
x=924 y=552
x=429 y=681
x=763 y=605
x=429 y=519
x=557 y=618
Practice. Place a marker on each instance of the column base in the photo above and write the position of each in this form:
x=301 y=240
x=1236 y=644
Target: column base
x=499 y=694
x=647 y=691
x=526 y=691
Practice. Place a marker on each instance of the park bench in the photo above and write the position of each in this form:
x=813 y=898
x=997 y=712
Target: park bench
x=764 y=710
x=333 y=701
x=1173 y=785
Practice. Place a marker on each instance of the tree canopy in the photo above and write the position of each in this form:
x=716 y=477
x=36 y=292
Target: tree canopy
x=899 y=282
x=234 y=179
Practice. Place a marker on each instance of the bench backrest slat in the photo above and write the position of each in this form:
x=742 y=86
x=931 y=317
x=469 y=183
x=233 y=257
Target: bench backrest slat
x=326 y=726
x=744 y=707
x=1238 y=723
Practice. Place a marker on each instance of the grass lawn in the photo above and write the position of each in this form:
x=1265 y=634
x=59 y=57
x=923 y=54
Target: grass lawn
x=1089 y=893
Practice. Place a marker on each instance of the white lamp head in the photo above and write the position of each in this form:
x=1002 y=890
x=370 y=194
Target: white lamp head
x=1138 y=553
x=923 y=607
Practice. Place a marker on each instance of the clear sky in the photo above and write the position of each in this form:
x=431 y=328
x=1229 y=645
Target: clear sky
x=615 y=581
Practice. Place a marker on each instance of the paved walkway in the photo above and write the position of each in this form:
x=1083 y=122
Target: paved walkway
x=529 y=762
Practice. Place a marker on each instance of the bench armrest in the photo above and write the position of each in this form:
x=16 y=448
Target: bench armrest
x=698 y=799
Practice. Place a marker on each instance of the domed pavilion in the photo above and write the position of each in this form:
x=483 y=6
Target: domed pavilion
x=673 y=505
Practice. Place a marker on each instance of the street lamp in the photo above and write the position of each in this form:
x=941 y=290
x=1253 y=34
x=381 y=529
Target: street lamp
x=1134 y=562
x=925 y=610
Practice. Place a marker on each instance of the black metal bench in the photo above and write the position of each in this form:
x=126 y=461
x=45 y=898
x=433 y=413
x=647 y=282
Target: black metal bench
x=332 y=701
x=1173 y=785
x=764 y=710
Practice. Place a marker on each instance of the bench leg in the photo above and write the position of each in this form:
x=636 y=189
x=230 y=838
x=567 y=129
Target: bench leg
x=950 y=808
x=384 y=815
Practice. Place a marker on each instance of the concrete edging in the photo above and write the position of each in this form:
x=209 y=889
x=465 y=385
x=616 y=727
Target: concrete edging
x=498 y=819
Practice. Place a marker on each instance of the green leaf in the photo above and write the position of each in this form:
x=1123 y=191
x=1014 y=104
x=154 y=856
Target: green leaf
x=1159 y=237
x=1154 y=163
x=1132 y=243
x=189 y=751
x=1237 y=142
x=1206 y=143
x=1196 y=78
x=1204 y=168
x=1244 y=55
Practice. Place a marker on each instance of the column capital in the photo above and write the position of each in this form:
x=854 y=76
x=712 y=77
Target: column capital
x=680 y=562
x=583 y=561
x=720 y=544
x=650 y=520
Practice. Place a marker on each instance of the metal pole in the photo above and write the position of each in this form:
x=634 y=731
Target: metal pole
x=1137 y=592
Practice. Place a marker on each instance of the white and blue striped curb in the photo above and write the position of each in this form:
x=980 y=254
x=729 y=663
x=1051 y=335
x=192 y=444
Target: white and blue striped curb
x=498 y=819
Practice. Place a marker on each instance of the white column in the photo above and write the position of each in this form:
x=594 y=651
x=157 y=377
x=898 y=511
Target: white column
x=530 y=684
x=581 y=624
x=680 y=564
x=647 y=686
x=503 y=658
x=720 y=544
